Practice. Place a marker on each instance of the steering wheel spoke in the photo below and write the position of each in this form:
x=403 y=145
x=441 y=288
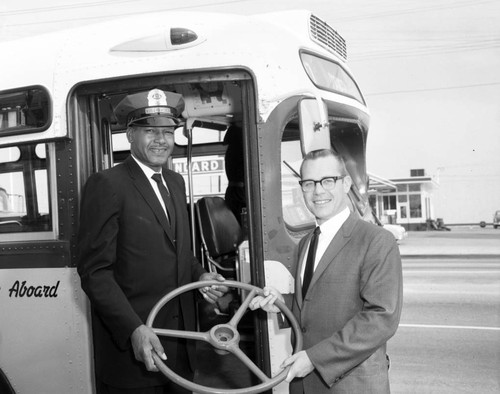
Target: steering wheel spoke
x=242 y=309
x=250 y=364
x=200 y=336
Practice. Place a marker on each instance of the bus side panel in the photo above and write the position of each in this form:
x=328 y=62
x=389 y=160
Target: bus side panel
x=45 y=339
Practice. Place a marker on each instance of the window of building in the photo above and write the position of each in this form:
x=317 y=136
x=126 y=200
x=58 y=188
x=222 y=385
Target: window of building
x=417 y=172
x=402 y=188
x=209 y=177
x=402 y=198
x=414 y=187
x=389 y=202
x=402 y=212
x=415 y=206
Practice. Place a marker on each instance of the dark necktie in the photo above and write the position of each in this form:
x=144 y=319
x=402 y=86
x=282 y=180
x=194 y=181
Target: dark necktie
x=165 y=195
x=311 y=256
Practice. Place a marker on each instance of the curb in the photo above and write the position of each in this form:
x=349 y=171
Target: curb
x=450 y=256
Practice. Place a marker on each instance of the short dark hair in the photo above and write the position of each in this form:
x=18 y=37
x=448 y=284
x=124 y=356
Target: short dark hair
x=319 y=153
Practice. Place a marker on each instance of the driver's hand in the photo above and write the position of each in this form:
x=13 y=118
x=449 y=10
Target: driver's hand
x=214 y=292
x=266 y=301
x=301 y=365
x=144 y=343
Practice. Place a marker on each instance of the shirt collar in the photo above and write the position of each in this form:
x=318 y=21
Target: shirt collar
x=332 y=225
x=147 y=171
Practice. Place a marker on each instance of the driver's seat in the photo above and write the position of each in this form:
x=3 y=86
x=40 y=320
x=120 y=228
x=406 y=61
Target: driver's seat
x=220 y=234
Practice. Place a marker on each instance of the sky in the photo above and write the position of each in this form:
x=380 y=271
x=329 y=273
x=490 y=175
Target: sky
x=429 y=70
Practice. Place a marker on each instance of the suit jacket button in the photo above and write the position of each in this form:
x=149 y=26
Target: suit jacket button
x=304 y=329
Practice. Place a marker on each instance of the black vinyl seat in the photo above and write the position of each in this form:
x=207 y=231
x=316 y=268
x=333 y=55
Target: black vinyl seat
x=221 y=234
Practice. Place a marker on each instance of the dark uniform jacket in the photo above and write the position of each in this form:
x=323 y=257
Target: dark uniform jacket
x=128 y=259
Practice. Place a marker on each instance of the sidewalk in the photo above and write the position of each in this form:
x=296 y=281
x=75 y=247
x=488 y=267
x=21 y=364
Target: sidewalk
x=470 y=242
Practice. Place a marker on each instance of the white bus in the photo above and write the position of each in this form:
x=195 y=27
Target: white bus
x=281 y=77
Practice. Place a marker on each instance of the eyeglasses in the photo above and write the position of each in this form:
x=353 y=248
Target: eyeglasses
x=328 y=183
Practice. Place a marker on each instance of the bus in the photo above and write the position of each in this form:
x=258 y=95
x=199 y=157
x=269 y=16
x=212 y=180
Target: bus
x=281 y=78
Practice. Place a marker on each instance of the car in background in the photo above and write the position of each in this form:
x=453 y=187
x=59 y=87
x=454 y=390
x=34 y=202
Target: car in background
x=397 y=230
x=496 y=219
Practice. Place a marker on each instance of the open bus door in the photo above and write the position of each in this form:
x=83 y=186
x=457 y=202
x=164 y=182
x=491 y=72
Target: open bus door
x=214 y=101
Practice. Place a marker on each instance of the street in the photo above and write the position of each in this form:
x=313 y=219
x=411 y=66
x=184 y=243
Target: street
x=449 y=337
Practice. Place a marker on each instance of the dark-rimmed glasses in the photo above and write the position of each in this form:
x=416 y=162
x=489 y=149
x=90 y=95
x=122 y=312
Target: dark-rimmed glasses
x=328 y=183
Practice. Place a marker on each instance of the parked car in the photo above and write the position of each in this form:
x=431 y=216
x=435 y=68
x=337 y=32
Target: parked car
x=496 y=219
x=398 y=231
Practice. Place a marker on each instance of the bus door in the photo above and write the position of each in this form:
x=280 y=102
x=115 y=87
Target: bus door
x=216 y=103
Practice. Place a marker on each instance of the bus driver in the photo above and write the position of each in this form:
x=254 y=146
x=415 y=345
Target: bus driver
x=134 y=247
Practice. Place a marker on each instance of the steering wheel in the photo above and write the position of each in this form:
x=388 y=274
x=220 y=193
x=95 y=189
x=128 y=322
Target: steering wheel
x=224 y=338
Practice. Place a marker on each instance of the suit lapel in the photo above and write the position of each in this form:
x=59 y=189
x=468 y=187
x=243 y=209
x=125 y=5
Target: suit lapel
x=144 y=187
x=338 y=242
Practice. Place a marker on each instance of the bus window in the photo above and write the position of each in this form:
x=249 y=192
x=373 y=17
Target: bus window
x=295 y=213
x=24 y=192
x=24 y=111
x=329 y=75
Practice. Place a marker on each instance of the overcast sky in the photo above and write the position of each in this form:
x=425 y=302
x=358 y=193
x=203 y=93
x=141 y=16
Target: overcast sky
x=429 y=70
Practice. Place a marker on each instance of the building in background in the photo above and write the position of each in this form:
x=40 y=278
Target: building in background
x=404 y=201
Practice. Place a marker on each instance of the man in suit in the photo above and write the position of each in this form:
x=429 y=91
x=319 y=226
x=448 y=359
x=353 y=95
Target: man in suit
x=348 y=299
x=135 y=247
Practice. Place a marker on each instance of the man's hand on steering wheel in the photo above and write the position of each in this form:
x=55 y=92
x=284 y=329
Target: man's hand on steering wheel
x=144 y=343
x=214 y=292
x=266 y=301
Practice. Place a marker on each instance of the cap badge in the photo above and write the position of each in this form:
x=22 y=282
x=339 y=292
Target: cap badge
x=156 y=97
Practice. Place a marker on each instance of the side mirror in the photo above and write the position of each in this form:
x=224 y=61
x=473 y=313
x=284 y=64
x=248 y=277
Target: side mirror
x=314 y=126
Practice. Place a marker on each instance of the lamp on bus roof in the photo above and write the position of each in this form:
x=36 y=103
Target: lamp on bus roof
x=168 y=40
x=180 y=36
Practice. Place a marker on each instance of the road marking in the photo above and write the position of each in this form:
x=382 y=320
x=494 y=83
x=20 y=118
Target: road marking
x=451 y=327
x=451 y=272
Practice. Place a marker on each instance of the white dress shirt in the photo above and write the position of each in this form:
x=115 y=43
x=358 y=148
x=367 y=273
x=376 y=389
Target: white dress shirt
x=149 y=173
x=328 y=230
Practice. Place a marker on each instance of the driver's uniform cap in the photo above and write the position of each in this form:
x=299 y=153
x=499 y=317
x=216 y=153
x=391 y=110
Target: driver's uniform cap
x=151 y=108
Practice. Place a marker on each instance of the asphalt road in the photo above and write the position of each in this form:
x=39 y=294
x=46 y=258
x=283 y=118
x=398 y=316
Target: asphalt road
x=449 y=337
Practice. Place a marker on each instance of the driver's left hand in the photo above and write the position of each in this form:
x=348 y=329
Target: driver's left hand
x=214 y=292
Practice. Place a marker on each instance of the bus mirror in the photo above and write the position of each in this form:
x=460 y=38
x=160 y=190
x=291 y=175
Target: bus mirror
x=314 y=127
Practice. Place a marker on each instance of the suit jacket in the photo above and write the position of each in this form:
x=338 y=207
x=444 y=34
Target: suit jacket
x=128 y=259
x=351 y=309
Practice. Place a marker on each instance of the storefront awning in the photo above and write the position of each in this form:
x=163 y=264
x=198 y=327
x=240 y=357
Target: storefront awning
x=377 y=183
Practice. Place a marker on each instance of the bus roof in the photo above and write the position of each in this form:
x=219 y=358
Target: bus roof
x=266 y=45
